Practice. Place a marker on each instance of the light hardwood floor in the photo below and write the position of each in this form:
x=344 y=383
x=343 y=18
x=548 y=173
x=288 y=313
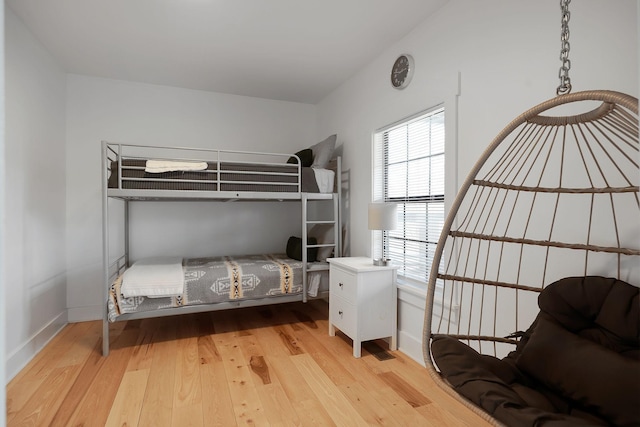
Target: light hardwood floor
x=262 y=366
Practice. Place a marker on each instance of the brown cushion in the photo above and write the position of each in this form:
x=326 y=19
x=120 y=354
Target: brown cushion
x=460 y=363
x=305 y=156
x=499 y=388
x=584 y=371
x=294 y=248
x=603 y=310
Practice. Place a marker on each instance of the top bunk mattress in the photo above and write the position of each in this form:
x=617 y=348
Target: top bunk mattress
x=180 y=170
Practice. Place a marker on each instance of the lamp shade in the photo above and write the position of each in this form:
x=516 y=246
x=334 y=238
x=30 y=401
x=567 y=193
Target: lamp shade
x=382 y=216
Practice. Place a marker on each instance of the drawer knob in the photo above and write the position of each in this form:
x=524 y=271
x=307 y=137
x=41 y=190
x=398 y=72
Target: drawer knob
x=340 y=313
x=340 y=284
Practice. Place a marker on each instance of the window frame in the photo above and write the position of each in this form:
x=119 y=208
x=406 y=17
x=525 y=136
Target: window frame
x=380 y=192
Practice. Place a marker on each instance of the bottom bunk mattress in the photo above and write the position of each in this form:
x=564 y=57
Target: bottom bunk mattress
x=221 y=279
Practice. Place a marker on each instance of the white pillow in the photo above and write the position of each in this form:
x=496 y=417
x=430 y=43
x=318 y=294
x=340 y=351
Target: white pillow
x=323 y=151
x=323 y=234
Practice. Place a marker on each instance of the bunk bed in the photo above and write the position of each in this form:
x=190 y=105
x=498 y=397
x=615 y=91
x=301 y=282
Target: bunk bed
x=166 y=286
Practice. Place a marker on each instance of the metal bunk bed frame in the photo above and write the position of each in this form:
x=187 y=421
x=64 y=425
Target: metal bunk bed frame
x=116 y=153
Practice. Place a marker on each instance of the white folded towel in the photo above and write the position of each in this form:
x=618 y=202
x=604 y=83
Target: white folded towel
x=154 y=278
x=159 y=166
x=313 y=283
x=324 y=178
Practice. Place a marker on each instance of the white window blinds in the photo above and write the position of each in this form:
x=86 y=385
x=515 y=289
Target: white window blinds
x=409 y=170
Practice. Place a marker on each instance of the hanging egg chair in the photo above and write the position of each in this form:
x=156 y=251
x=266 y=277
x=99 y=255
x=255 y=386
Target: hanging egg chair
x=532 y=311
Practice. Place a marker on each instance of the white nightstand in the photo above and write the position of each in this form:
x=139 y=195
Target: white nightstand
x=362 y=300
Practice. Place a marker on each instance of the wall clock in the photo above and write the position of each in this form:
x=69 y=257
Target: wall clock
x=402 y=71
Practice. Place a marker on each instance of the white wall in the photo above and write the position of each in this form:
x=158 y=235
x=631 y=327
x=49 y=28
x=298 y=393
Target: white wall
x=34 y=198
x=507 y=54
x=3 y=403
x=116 y=111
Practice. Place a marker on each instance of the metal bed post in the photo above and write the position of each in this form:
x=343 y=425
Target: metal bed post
x=304 y=246
x=126 y=234
x=336 y=228
x=105 y=252
x=337 y=203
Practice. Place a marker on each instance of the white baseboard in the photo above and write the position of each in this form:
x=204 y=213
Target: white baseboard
x=18 y=359
x=85 y=314
x=411 y=299
x=410 y=346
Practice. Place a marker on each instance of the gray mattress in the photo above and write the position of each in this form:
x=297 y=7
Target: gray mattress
x=270 y=178
x=219 y=279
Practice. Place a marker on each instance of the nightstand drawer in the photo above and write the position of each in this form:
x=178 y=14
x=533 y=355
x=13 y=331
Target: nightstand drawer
x=343 y=315
x=343 y=284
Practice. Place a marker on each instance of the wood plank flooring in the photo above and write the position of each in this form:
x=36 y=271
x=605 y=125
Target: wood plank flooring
x=261 y=366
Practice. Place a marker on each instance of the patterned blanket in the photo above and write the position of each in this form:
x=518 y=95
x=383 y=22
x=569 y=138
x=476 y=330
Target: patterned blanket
x=219 y=279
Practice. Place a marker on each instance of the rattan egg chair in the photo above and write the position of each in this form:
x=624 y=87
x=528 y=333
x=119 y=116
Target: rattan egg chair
x=555 y=195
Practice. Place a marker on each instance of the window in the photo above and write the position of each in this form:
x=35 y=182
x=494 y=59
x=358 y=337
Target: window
x=409 y=170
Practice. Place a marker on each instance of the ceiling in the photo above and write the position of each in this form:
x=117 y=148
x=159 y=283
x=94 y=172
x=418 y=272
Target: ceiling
x=292 y=50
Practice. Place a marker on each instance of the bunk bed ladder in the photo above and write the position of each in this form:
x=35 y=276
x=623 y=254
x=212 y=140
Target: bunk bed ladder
x=306 y=222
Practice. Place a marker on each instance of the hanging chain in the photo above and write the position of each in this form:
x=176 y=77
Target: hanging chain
x=563 y=74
